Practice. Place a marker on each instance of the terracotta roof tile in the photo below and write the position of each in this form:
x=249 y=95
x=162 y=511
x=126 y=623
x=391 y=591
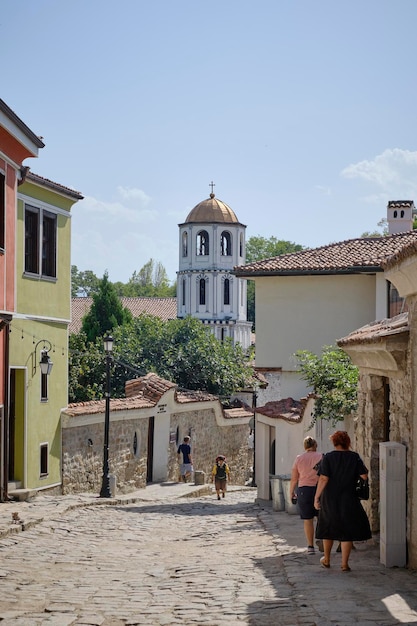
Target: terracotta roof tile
x=151 y=386
x=46 y=182
x=377 y=330
x=117 y=404
x=353 y=255
x=241 y=411
x=287 y=409
x=164 y=308
x=189 y=395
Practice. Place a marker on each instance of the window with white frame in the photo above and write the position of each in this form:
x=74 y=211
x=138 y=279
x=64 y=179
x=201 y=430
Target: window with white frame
x=40 y=242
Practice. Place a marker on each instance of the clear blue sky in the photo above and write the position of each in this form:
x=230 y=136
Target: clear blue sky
x=302 y=112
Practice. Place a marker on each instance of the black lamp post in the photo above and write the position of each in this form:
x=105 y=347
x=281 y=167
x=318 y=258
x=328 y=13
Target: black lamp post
x=105 y=485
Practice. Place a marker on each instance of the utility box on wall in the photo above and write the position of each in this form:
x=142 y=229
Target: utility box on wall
x=393 y=481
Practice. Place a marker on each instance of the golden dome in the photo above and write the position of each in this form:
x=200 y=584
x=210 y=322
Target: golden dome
x=212 y=210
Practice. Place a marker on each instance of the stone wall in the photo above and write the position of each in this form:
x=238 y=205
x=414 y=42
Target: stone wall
x=82 y=455
x=371 y=427
x=208 y=439
x=82 y=450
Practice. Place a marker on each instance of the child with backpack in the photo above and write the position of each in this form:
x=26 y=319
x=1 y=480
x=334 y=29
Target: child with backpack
x=220 y=475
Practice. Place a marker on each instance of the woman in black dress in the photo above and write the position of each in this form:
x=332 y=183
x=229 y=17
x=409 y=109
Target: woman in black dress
x=341 y=515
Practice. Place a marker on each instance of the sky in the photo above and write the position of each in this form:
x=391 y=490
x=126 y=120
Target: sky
x=301 y=112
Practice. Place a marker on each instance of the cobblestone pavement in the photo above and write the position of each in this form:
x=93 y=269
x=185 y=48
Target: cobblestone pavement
x=189 y=561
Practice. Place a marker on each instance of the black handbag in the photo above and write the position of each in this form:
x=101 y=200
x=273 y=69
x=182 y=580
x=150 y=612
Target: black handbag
x=362 y=488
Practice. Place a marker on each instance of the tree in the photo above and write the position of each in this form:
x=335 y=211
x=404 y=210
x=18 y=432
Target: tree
x=83 y=283
x=151 y=281
x=258 y=248
x=106 y=312
x=182 y=351
x=334 y=379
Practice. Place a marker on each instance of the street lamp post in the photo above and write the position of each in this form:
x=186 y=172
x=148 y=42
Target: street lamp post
x=105 y=485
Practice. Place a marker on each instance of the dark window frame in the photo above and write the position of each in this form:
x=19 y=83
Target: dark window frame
x=43 y=460
x=41 y=228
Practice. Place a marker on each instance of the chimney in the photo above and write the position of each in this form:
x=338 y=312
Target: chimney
x=400 y=214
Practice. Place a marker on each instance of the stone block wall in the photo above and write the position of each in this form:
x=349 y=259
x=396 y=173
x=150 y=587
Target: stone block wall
x=82 y=455
x=208 y=439
x=370 y=427
x=82 y=450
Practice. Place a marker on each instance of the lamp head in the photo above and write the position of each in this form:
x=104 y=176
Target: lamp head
x=45 y=363
x=108 y=343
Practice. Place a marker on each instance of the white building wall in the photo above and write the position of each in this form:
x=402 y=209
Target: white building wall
x=307 y=313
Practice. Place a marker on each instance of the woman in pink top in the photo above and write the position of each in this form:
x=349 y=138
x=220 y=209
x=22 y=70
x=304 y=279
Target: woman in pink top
x=303 y=486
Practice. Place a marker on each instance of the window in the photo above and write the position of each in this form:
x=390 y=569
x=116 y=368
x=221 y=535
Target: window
x=202 y=243
x=183 y=291
x=44 y=387
x=396 y=304
x=40 y=242
x=2 y=210
x=184 y=244
x=226 y=291
x=202 y=291
x=241 y=244
x=225 y=244
x=44 y=459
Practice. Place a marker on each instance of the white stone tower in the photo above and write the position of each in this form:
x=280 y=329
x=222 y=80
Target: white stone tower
x=211 y=243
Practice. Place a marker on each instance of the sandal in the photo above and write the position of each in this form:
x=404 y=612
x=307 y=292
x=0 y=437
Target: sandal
x=323 y=562
x=346 y=568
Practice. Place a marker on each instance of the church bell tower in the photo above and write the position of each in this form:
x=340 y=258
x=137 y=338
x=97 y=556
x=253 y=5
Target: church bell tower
x=211 y=243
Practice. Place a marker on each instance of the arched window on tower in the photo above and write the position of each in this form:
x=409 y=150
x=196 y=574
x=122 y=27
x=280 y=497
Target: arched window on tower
x=185 y=244
x=225 y=244
x=202 y=291
x=226 y=291
x=241 y=245
x=183 y=291
x=202 y=243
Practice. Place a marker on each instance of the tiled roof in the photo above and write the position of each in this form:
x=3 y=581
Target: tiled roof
x=378 y=330
x=288 y=409
x=151 y=386
x=190 y=395
x=243 y=411
x=354 y=255
x=165 y=308
x=45 y=182
x=141 y=393
x=116 y=404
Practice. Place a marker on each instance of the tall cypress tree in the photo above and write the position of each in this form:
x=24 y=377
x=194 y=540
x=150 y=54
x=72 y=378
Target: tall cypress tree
x=106 y=312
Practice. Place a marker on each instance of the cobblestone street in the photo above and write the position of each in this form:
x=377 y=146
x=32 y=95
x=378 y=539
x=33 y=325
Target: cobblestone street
x=186 y=561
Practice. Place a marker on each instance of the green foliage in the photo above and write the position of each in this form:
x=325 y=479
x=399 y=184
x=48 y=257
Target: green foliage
x=151 y=281
x=86 y=369
x=183 y=351
x=106 y=312
x=258 y=248
x=334 y=379
x=83 y=283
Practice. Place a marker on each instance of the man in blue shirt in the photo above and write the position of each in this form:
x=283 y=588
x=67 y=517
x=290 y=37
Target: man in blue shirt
x=186 y=465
